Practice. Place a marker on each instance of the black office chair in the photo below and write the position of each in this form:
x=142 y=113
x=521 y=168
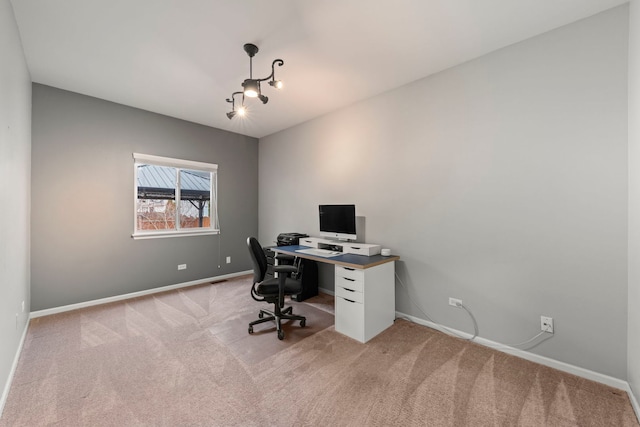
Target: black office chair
x=272 y=290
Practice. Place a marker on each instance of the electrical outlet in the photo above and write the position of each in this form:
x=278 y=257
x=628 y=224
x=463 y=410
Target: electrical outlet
x=182 y=266
x=546 y=324
x=455 y=302
x=228 y=260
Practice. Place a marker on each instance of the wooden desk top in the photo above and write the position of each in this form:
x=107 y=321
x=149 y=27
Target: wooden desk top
x=346 y=260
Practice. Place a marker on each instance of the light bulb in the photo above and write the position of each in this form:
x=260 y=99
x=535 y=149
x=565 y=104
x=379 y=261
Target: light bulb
x=277 y=84
x=251 y=88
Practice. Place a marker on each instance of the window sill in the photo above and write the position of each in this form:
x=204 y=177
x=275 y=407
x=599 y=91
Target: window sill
x=181 y=233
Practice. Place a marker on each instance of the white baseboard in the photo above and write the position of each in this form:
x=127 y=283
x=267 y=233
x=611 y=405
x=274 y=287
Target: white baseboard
x=552 y=363
x=14 y=366
x=634 y=401
x=91 y=303
x=326 y=291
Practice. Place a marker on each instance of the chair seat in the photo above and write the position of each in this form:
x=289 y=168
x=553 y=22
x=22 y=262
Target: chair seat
x=270 y=287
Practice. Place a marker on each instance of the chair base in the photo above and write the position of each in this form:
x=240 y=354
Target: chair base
x=277 y=316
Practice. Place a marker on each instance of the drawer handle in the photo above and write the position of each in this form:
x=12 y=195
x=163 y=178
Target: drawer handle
x=351 y=280
x=350 y=269
x=347 y=289
x=355 y=247
x=349 y=300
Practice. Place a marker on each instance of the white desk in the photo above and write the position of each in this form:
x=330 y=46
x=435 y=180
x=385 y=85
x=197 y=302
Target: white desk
x=365 y=300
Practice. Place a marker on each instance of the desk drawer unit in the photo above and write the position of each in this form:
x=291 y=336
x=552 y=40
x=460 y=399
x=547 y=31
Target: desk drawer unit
x=365 y=300
x=349 y=273
x=347 y=283
x=349 y=294
x=350 y=318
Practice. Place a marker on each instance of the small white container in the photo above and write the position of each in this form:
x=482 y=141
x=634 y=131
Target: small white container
x=385 y=252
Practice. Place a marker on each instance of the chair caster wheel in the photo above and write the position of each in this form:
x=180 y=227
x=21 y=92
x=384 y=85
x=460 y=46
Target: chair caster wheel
x=261 y=315
x=303 y=323
x=280 y=334
x=250 y=329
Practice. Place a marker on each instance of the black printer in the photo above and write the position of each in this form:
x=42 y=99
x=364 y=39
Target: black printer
x=288 y=239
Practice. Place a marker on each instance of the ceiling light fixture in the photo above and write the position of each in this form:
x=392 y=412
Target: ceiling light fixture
x=251 y=86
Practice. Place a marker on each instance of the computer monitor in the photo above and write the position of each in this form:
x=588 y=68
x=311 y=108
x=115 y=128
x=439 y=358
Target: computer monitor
x=338 y=221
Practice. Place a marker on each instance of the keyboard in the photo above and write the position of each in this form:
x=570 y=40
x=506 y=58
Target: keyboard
x=325 y=253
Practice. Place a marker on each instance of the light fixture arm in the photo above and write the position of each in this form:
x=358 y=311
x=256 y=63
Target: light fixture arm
x=232 y=100
x=231 y=114
x=280 y=63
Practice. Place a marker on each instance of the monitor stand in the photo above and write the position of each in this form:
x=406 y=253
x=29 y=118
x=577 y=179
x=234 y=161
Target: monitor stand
x=344 y=247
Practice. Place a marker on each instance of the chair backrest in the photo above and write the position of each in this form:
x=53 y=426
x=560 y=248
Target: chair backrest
x=259 y=259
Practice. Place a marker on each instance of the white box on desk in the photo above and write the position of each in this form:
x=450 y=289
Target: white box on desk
x=309 y=241
x=361 y=249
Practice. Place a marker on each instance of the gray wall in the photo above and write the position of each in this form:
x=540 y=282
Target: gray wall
x=633 y=358
x=502 y=181
x=82 y=198
x=15 y=161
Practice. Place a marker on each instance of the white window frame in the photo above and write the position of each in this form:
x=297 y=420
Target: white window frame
x=179 y=164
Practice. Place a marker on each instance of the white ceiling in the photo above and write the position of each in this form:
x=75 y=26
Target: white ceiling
x=184 y=58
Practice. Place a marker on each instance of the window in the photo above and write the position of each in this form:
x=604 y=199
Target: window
x=174 y=197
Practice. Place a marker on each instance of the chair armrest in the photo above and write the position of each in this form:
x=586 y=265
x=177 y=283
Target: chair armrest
x=284 y=269
x=285 y=257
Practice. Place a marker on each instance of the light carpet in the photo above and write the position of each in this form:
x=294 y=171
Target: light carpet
x=184 y=358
